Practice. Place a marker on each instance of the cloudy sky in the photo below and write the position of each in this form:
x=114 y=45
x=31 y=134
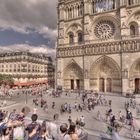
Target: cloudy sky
x=28 y=24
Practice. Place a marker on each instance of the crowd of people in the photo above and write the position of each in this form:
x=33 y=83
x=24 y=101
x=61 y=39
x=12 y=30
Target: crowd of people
x=116 y=122
x=15 y=126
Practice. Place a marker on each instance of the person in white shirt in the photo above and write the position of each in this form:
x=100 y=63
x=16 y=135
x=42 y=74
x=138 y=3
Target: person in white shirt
x=82 y=120
x=35 y=111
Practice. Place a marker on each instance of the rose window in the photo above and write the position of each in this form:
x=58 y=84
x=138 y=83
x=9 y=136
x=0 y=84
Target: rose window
x=104 y=29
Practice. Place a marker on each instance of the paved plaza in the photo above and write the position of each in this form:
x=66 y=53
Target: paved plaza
x=93 y=126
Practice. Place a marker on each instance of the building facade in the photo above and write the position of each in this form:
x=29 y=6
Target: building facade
x=98 y=45
x=27 y=68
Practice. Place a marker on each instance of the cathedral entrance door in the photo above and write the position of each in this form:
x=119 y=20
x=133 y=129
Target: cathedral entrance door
x=72 y=84
x=109 y=85
x=78 y=84
x=137 y=85
x=102 y=85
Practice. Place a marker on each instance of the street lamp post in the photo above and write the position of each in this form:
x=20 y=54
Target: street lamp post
x=26 y=99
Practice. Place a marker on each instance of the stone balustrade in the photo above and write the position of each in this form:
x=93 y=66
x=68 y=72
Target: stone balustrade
x=115 y=47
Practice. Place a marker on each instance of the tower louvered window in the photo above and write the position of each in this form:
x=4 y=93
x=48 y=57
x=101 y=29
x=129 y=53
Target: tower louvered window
x=103 y=5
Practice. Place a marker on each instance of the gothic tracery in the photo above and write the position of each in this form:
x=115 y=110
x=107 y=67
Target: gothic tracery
x=104 y=29
x=103 y=5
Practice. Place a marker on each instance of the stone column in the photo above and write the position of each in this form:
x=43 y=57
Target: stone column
x=86 y=84
x=105 y=84
x=125 y=87
x=125 y=82
x=75 y=11
x=75 y=84
x=98 y=84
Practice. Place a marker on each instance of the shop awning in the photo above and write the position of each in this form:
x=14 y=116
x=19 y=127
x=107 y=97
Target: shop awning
x=30 y=83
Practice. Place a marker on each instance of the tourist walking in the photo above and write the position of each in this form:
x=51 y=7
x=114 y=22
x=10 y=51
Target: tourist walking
x=69 y=119
x=115 y=135
x=82 y=121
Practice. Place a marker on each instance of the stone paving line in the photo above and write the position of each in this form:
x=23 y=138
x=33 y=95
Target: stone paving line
x=11 y=105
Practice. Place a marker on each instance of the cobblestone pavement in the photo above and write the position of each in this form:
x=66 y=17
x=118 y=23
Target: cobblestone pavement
x=92 y=124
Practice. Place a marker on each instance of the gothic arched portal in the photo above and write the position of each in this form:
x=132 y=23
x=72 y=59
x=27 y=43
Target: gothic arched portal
x=73 y=76
x=105 y=75
x=134 y=76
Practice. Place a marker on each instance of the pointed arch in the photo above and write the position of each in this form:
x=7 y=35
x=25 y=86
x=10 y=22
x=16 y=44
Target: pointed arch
x=73 y=76
x=71 y=38
x=73 y=64
x=104 y=62
x=70 y=12
x=115 y=20
x=79 y=37
x=66 y=13
x=134 y=71
x=134 y=76
x=76 y=10
x=105 y=75
x=133 y=17
x=75 y=27
x=134 y=29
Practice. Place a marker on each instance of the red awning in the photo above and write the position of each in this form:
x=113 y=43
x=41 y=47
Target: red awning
x=30 y=83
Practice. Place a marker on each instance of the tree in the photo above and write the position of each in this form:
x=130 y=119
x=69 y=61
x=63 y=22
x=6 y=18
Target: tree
x=6 y=79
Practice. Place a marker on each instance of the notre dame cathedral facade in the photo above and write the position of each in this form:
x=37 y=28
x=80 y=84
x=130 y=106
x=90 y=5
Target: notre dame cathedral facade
x=98 y=45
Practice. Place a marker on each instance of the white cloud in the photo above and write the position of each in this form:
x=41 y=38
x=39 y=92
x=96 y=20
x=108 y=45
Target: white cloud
x=37 y=14
x=47 y=32
x=25 y=47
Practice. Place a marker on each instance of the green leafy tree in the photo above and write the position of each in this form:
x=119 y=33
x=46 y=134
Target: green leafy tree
x=6 y=79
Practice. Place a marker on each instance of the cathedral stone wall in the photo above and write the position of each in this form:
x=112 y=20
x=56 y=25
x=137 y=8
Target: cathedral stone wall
x=99 y=45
